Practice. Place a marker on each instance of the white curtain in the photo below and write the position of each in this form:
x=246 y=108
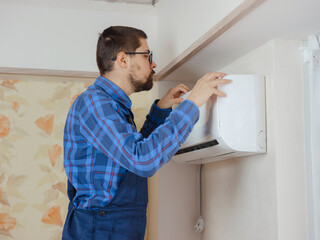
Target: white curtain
x=312 y=131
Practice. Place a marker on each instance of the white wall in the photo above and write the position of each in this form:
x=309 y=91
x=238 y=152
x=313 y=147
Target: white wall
x=182 y=22
x=178 y=202
x=290 y=158
x=264 y=197
x=62 y=35
x=259 y=197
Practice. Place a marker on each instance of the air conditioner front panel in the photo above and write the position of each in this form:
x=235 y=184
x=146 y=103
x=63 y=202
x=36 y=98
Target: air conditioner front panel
x=236 y=122
x=206 y=129
x=240 y=112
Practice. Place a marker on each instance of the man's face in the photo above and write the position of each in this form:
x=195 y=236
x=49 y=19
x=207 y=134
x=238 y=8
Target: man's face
x=141 y=70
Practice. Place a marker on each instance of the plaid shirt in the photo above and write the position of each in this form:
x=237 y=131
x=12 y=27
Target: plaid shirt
x=100 y=144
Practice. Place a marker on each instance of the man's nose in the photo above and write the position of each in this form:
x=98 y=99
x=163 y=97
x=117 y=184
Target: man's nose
x=153 y=65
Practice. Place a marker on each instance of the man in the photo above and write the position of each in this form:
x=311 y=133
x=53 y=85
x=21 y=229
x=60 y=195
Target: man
x=106 y=160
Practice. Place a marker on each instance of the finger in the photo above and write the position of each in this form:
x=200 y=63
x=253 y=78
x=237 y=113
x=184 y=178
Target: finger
x=177 y=100
x=219 y=93
x=216 y=75
x=181 y=86
x=178 y=90
x=217 y=82
x=185 y=87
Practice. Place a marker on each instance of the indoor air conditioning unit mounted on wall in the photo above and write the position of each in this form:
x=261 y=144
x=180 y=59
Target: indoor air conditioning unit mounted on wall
x=231 y=126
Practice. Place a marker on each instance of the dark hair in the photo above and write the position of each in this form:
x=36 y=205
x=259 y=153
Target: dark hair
x=113 y=40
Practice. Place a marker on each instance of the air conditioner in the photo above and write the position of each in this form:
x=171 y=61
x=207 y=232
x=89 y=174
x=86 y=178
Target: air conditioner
x=231 y=126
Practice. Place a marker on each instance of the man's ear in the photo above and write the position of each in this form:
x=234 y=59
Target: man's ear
x=122 y=60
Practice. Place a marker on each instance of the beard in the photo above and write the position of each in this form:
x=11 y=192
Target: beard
x=139 y=86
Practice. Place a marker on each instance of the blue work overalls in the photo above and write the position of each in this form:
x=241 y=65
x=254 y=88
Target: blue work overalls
x=124 y=218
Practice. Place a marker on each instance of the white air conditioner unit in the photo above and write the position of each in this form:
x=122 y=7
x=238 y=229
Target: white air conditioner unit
x=231 y=126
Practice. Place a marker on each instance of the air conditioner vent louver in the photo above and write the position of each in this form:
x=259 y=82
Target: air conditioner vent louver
x=198 y=147
x=218 y=156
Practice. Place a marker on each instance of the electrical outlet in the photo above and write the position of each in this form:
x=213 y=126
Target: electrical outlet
x=199 y=225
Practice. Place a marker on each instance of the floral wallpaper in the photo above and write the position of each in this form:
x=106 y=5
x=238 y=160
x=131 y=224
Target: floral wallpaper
x=33 y=198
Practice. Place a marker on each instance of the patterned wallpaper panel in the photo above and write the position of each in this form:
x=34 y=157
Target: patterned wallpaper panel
x=33 y=198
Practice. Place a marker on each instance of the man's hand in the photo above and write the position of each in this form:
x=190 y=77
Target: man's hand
x=206 y=87
x=172 y=96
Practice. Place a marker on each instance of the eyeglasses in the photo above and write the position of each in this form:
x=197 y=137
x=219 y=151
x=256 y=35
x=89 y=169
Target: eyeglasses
x=132 y=53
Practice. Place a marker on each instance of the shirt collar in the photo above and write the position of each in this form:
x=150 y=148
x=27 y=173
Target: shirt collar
x=114 y=91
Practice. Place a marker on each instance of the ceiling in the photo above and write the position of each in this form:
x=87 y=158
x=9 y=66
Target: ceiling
x=148 y=2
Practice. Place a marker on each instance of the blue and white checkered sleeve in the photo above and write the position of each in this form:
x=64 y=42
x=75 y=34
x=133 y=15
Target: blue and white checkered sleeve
x=156 y=117
x=105 y=129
